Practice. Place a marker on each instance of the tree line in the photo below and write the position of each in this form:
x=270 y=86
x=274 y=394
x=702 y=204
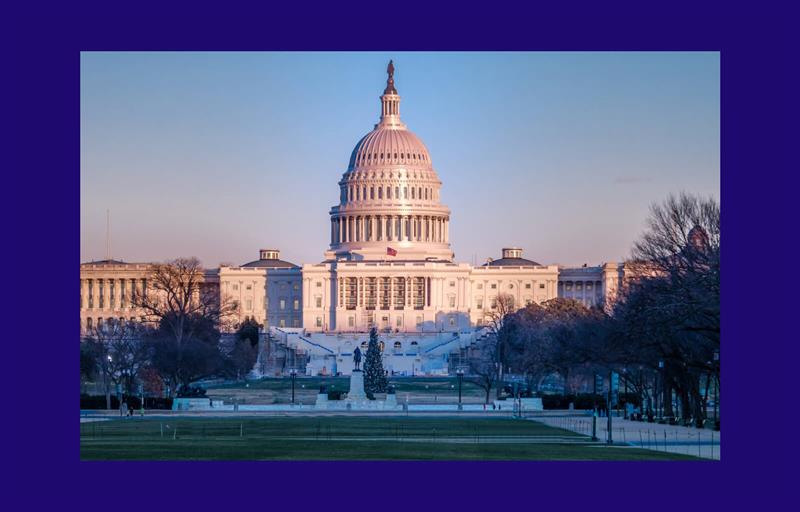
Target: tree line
x=660 y=332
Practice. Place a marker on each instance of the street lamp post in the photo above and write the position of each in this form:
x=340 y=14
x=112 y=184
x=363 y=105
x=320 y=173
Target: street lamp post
x=293 y=373
x=660 y=413
x=594 y=409
x=460 y=376
x=141 y=398
x=625 y=377
x=716 y=386
x=609 y=405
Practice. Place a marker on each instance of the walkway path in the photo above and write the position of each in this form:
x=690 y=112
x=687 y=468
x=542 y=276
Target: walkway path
x=703 y=443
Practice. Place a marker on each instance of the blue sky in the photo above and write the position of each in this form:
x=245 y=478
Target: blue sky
x=216 y=155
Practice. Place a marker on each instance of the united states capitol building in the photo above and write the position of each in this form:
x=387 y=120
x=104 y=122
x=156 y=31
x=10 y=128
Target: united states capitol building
x=389 y=264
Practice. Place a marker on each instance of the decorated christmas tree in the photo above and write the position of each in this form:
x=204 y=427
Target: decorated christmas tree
x=374 y=376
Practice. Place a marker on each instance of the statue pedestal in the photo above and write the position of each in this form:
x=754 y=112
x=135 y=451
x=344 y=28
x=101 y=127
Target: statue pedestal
x=356 y=393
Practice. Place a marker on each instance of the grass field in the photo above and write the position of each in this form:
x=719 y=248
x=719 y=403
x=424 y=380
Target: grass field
x=343 y=438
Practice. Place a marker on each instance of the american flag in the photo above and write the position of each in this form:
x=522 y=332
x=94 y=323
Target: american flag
x=390 y=252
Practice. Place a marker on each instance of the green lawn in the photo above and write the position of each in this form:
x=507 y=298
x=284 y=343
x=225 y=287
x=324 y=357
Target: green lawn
x=272 y=390
x=402 y=384
x=343 y=438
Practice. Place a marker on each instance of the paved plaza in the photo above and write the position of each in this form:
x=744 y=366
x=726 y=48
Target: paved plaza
x=703 y=443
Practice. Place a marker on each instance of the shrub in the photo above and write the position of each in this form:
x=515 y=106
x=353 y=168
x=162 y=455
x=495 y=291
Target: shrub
x=95 y=402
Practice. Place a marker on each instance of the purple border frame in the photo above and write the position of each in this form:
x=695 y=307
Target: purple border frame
x=42 y=205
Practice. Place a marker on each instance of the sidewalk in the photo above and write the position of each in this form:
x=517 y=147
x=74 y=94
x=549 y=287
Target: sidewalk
x=703 y=443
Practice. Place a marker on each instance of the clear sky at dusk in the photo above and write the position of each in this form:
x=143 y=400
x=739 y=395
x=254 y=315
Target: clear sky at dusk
x=216 y=155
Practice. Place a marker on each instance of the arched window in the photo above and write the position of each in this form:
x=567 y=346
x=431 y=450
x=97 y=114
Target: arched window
x=388 y=192
x=405 y=192
x=363 y=345
x=380 y=192
x=372 y=192
x=412 y=192
x=398 y=345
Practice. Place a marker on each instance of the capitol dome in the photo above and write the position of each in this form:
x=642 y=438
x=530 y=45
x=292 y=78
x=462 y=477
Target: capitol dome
x=389 y=146
x=389 y=195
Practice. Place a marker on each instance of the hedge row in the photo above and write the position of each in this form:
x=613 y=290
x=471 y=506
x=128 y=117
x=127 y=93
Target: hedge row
x=99 y=402
x=584 y=401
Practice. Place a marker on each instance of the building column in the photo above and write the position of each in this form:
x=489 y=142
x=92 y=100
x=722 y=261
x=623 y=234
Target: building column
x=427 y=228
x=349 y=225
x=83 y=294
x=351 y=229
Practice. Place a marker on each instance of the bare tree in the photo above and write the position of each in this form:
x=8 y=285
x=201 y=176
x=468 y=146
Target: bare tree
x=502 y=305
x=483 y=365
x=119 y=354
x=177 y=292
x=186 y=314
x=668 y=315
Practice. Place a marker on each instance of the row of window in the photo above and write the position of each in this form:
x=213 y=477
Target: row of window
x=248 y=304
x=350 y=193
x=493 y=286
x=295 y=286
x=99 y=322
x=351 y=322
x=493 y=302
x=579 y=285
x=369 y=157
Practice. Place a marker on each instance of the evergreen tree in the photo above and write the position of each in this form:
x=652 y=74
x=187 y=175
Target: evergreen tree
x=249 y=330
x=374 y=377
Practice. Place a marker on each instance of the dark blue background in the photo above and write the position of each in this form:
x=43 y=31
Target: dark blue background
x=41 y=206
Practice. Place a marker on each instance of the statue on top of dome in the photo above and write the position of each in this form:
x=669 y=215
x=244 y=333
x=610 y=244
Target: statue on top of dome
x=390 y=81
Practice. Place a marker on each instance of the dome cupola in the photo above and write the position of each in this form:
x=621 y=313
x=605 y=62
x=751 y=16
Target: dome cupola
x=389 y=195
